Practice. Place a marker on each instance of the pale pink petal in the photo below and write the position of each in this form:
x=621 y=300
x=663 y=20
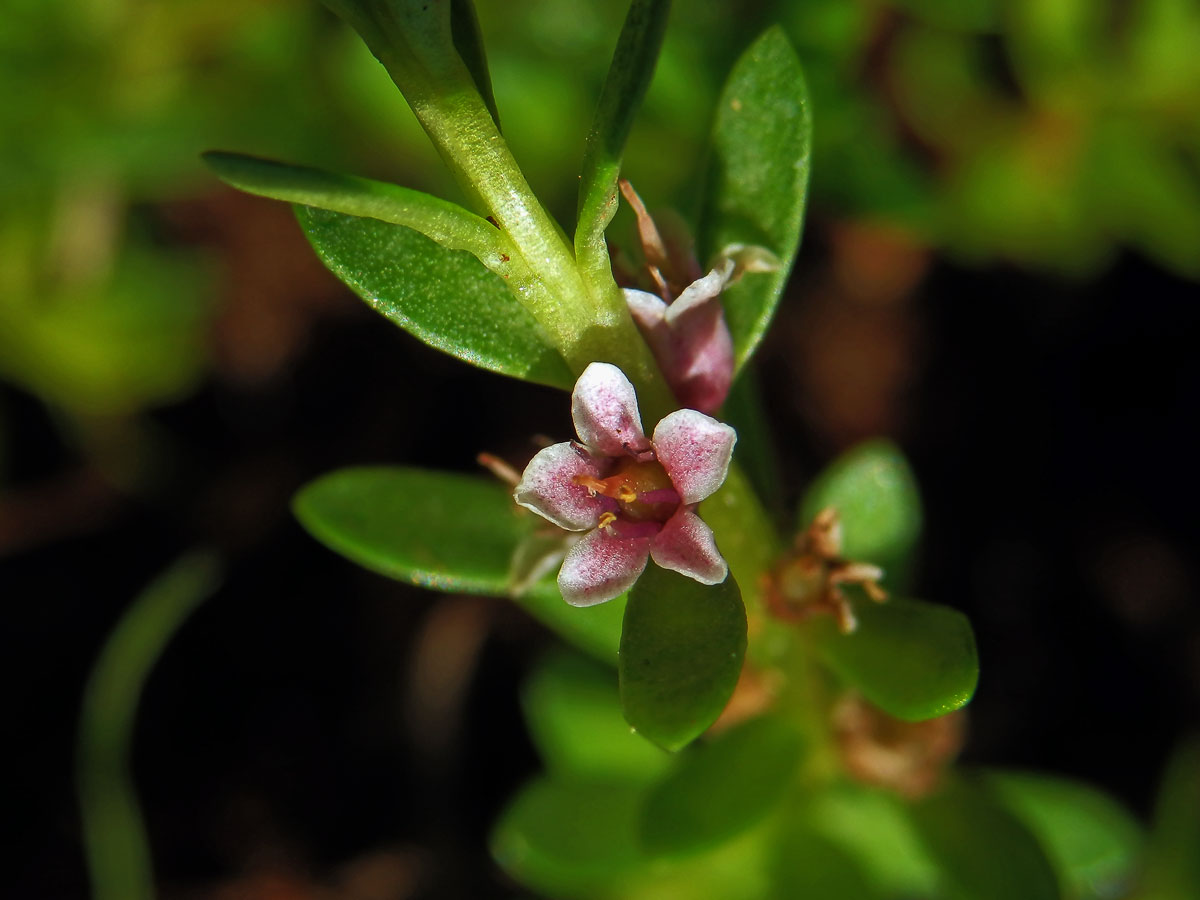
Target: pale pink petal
x=690 y=339
x=695 y=449
x=648 y=310
x=686 y=545
x=604 y=407
x=548 y=487
x=703 y=358
x=602 y=566
x=650 y=315
x=700 y=291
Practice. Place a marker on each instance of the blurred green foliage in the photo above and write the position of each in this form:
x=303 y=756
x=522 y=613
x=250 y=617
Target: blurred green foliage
x=107 y=107
x=114 y=835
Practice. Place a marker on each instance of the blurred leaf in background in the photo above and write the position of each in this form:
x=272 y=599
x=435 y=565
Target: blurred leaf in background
x=114 y=835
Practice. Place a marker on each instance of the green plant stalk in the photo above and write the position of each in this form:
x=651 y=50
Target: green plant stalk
x=587 y=325
x=751 y=544
x=748 y=540
x=586 y=322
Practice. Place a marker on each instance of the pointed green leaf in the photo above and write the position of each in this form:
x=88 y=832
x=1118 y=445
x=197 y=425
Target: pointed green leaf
x=1094 y=844
x=985 y=853
x=114 y=834
x=446 y=532
x=875 y=493
x=628 y=78
x=913 y=660
x=446 y=298
x=758 y=181
x=414 y=39
x=719 y=789
x=573 y=711
x=570 y=838
x=682 y=645
x=468 y=41
x=440 y=220
x=1172 y=861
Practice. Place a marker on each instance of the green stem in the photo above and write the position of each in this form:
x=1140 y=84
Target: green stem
x=589 y=322
x=586 y=323
x=751 y=545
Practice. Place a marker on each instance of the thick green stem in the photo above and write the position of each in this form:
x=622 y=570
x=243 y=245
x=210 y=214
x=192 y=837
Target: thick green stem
x=586 y=323
x=752 y=546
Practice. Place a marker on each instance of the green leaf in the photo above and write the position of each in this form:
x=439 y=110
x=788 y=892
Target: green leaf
x=874 y=826
x=758 y=181
x=570 y=838
x=414 y=39
x=1094 y=844
x=573 y=711
x=719 y=789
x=913 y=660
x=114 y=835
x=432 y=529
x=1172 y=863
x=597 y=631
x=629 y=76
x=682 y=645
x=446 y=532
x=439 y=220
x=874 y=491
x=985 y=853
x=808 y=864
x=446 y=298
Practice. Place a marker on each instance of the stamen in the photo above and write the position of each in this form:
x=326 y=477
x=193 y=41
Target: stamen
x=594 y=485
x=874 y=591
x=606 y=520
x=499 y=468
x=652 y=242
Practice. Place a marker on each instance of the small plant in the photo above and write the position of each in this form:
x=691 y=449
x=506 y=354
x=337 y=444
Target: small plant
x=794 y=715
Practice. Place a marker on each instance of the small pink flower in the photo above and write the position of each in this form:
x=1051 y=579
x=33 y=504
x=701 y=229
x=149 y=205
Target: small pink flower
x=635 y=497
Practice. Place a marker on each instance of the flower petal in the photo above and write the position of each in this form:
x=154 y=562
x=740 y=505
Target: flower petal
x=602 y=566
x=686 y=545
x=548 y=487
x=695 y=449
x=700 y=292
x=704 y=359
x=604 y=407
x=648 y=311
x=690 y=339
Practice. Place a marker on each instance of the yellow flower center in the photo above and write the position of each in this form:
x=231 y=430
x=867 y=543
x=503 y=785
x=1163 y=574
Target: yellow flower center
x=630 y=484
